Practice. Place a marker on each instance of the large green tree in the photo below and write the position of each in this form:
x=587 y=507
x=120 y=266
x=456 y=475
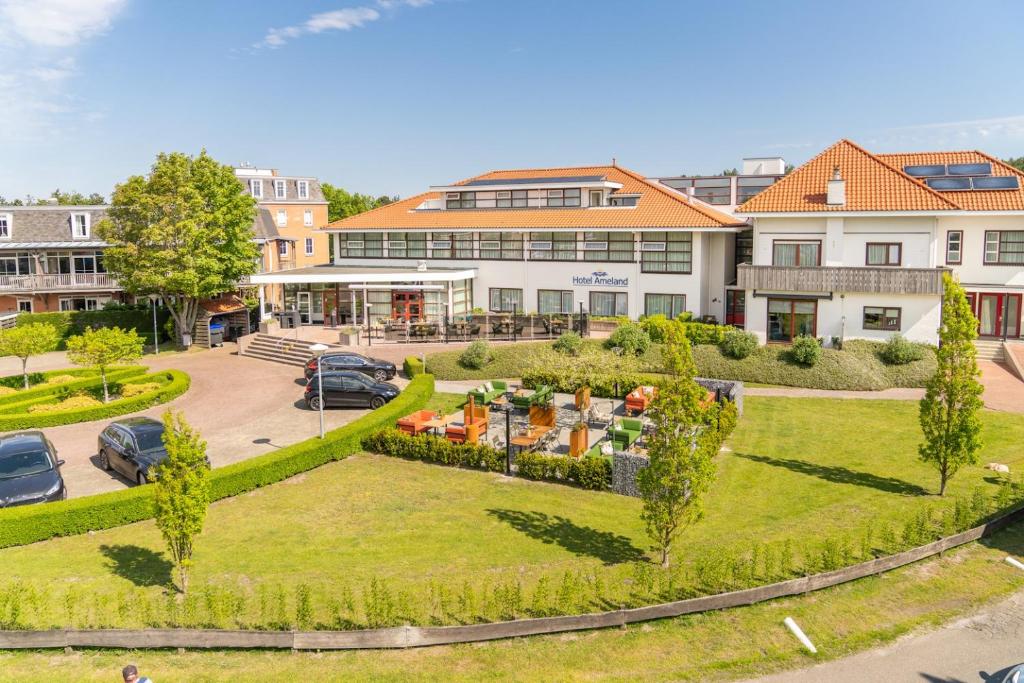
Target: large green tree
x=681 y=468
x=342 y=203
x=1016 y=162
x=949 y=409
x=25 y=341
x=184 y=232
x=104 y=347
x=77 y=198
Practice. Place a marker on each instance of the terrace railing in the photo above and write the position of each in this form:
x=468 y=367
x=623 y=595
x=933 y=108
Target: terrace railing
x=841 y=279
x=64 y=281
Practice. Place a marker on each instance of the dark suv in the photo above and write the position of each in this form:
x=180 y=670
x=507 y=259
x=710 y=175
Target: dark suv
x=380 y=370
x=132 y=446
x=29 y=470
x=349 y=390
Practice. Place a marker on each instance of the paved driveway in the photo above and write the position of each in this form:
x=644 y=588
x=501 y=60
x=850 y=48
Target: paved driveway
x=243 y=407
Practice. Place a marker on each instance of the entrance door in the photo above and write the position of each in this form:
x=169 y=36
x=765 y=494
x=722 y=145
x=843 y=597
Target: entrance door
x=330 y=305
x=735 y=307
x=406 y=305
x=304 y=303
x=998 y=315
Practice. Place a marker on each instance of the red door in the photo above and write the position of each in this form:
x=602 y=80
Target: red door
x=998 y=314
x=735 y=307
x=407 y=305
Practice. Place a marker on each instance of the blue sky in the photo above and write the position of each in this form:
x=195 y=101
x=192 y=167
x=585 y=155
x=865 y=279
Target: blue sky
x=390 y=96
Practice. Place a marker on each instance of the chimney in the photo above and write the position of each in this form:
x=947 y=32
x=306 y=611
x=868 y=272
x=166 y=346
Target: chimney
x=836 y=189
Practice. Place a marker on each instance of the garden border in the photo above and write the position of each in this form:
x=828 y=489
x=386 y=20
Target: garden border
x=414 y=636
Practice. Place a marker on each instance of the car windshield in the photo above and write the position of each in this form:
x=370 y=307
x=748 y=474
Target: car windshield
x=24 y=463
x=150 y=439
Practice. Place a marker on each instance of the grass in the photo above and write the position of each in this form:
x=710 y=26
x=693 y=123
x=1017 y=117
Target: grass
x=445 y=404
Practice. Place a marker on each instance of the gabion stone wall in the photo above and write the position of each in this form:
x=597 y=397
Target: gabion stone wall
x=625 y=467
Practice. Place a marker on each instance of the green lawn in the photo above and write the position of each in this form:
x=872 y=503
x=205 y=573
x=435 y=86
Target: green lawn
x=436 y=537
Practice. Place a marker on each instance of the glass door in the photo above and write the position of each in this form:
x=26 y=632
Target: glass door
x=304 y=304
x=330 y=307
x=735 y=307
x=999 y=315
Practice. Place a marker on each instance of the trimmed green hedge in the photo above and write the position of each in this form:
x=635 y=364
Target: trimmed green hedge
x=601 y=385
x=412 y=366
x=90 y=378
x=68 y=323
x=587 y=472
x=177 y=383
x=32 y=523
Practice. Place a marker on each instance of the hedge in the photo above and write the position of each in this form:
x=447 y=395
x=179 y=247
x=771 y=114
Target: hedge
x=68 y=323
x=177 y=383
x=601 y=385
x=413 y=366
x=90 y=377
x=33 y=523
x=592 y=473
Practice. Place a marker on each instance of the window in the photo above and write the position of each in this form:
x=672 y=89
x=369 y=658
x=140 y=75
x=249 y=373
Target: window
x=554 y=301
x=748 y=186
x=5 y=225
x=569 y=197
x=461 y=200
x=954 y=247
x=360 y=245
x=279 y=189
x=713 y=190
x=796 y=254
x=595 y=198
x=303 y=189
x=24 y=305
x=407 y=244
x=552 y=246
x=882 y=318
x=307 y=218
x=82 y=303
x=887 y=254
x=80 y=225
x=675 y=257
x=608 y=303
x=451 y=245
x=617 y=246
x=282 y=218
x=510 y=199
x=791 y=318
x=282 y=248
x=19 y=263
x=1004 y=247
x=506 y=246
x=309 y=246
x=256 y=188
x=668 y=305
x=506 y=300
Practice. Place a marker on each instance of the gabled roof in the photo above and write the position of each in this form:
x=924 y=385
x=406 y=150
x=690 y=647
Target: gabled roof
x=657 y=207
x=986 y=200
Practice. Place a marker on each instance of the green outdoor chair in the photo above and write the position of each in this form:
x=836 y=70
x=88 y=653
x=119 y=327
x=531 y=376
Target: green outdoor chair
x=482 y=395
x=625 y=433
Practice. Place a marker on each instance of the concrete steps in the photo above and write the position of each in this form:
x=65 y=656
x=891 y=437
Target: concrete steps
x=990 y=349
x=286 y=350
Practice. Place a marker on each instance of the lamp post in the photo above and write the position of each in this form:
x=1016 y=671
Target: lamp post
x=156 y=337
x=369 y=324
x=507 y=408
x=318 y=351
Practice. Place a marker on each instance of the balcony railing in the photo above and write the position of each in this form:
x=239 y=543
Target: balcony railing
x=840 y=279
x=65 y=281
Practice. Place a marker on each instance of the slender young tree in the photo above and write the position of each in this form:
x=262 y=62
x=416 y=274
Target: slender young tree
x=681 y=469
x=949 y=409
x=105 y=347
x=26 y=341
x=182 y=492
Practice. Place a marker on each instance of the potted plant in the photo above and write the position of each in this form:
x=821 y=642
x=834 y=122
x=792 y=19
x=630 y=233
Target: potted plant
x=348 y=336
x=578 y=439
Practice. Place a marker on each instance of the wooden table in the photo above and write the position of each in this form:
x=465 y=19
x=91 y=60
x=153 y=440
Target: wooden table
x=500 y=400
x=440 y=422
x=532 y=436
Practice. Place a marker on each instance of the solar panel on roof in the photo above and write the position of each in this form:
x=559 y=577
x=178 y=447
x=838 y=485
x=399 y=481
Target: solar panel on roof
x=925 y=171
x=1008 y=182
x=536 y=181
x=949 y=183
x=969 y=169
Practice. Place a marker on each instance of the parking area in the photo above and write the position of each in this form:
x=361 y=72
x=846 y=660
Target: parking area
x=243 y=407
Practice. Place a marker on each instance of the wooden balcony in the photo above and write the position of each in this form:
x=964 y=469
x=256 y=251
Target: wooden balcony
x=58 y=283
x=841 y=279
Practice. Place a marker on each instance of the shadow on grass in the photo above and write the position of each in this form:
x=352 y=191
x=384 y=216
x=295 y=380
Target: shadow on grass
x=141 y=566
x=606 y=546
x=840 y=475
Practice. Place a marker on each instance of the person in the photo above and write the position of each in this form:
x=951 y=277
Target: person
x=131 y=675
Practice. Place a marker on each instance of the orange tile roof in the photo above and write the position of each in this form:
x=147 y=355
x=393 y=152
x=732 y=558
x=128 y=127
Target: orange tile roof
x=228 y=304
x=657 y=207
x=876 y=182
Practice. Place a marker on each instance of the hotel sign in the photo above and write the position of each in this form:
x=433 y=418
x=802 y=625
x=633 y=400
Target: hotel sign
x=599 y=278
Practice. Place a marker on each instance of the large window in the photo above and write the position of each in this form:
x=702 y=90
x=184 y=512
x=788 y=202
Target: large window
x=791 y=318
x=954 y=247
x=407 y=244
x=510 y=199
x=608 y=303
x=303 y=187
x=256 y=188
x=279 y=189
x=748 y=186
x=362 y=245
x=506 y=300
x=552 y=246
x=505 y=246
x=309 y=246
x=451 y=245
x=796 y=253
x=80 y=225
x=1004 y=247
x=19 y=263
x=554 y=301
x=460 y=200
x=568 y=197
x=882 y=318
x=668 y=305
x=884 y=254
x=666 y=252
x=5 y=225
x=608 y=246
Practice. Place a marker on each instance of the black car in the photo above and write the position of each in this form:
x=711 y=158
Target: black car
x=380 y=370
x=29 y=470
x=347 y=389
x=132 y=446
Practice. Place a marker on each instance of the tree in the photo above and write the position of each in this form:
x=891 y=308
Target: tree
x=181 y=492
x=29 y=340
x=1016 y=162
x=77 y=198
x=104 y=347
x=681 y=468
x=952 y=399
x=183 y=233
x=342 y=204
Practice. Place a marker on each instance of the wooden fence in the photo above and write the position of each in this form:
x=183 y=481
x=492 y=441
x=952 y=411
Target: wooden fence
x=841 y=279
x=415 y=636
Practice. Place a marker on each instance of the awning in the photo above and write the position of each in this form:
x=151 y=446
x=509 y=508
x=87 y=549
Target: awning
x=370 y=275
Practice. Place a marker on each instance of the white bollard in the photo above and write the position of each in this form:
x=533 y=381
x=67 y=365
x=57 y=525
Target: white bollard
x=800 y=635
x=1014 y=562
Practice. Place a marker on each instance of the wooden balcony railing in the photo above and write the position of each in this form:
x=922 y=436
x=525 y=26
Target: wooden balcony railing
x=65 y=281
x=840 y=279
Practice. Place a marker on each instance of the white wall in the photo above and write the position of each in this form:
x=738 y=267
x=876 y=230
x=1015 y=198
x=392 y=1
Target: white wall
x=972 y=271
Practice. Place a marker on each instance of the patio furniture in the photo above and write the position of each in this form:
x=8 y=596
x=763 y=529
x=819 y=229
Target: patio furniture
x=601 y=416
x=549 y=442
x=578 y=441
x=542 y=416
x=416 y=423
x=625 y=432
x=638 y=400
x=488 y=391
x=474 y=424
x=439 y=423
x=582 y=401
x=541 y=396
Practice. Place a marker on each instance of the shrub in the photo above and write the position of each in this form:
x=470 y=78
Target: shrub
x=631 y=338
x=68 y=323
x=899 y=351
x=569 y=343
x=60 y=379
x=705 y=333
x=657 y=327
x=805 y=350
x=7 y=391
x=81 y=402
x=412 y=366
x=130 y=390
x=738 y=344
x=602 y=385
x=476 y=355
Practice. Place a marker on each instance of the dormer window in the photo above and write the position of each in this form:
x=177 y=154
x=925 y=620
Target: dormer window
x=460 y=200
x=279 y=189
x=80 y=226
x=568 y=197
x=511 y=199
x=303 y=189
x=5 y=225
x=256 y=188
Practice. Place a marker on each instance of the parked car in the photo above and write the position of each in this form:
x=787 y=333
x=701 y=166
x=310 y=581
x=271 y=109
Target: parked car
x=133 y=447
x=380 y=370
x=29 y=470
x=348 y=389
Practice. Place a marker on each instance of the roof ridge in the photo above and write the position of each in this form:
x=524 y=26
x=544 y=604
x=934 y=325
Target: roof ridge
x=682 y=199
x=934 y=151
x=792 y=174
x=1001 y=163
x=547 y=168
x=916 y=181
x=378 y=208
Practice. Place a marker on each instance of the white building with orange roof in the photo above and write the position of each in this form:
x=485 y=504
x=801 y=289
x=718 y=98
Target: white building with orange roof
x=854 y=244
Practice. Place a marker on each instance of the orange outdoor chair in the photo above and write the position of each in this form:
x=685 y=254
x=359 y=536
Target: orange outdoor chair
x=638 y=400
x=473 y=426
x=415 y=423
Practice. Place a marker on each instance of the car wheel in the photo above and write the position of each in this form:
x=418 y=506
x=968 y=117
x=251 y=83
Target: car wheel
x=376 y=402
x=380 y=375
x=104 y=460
x=314 y=403
x=141 y=478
